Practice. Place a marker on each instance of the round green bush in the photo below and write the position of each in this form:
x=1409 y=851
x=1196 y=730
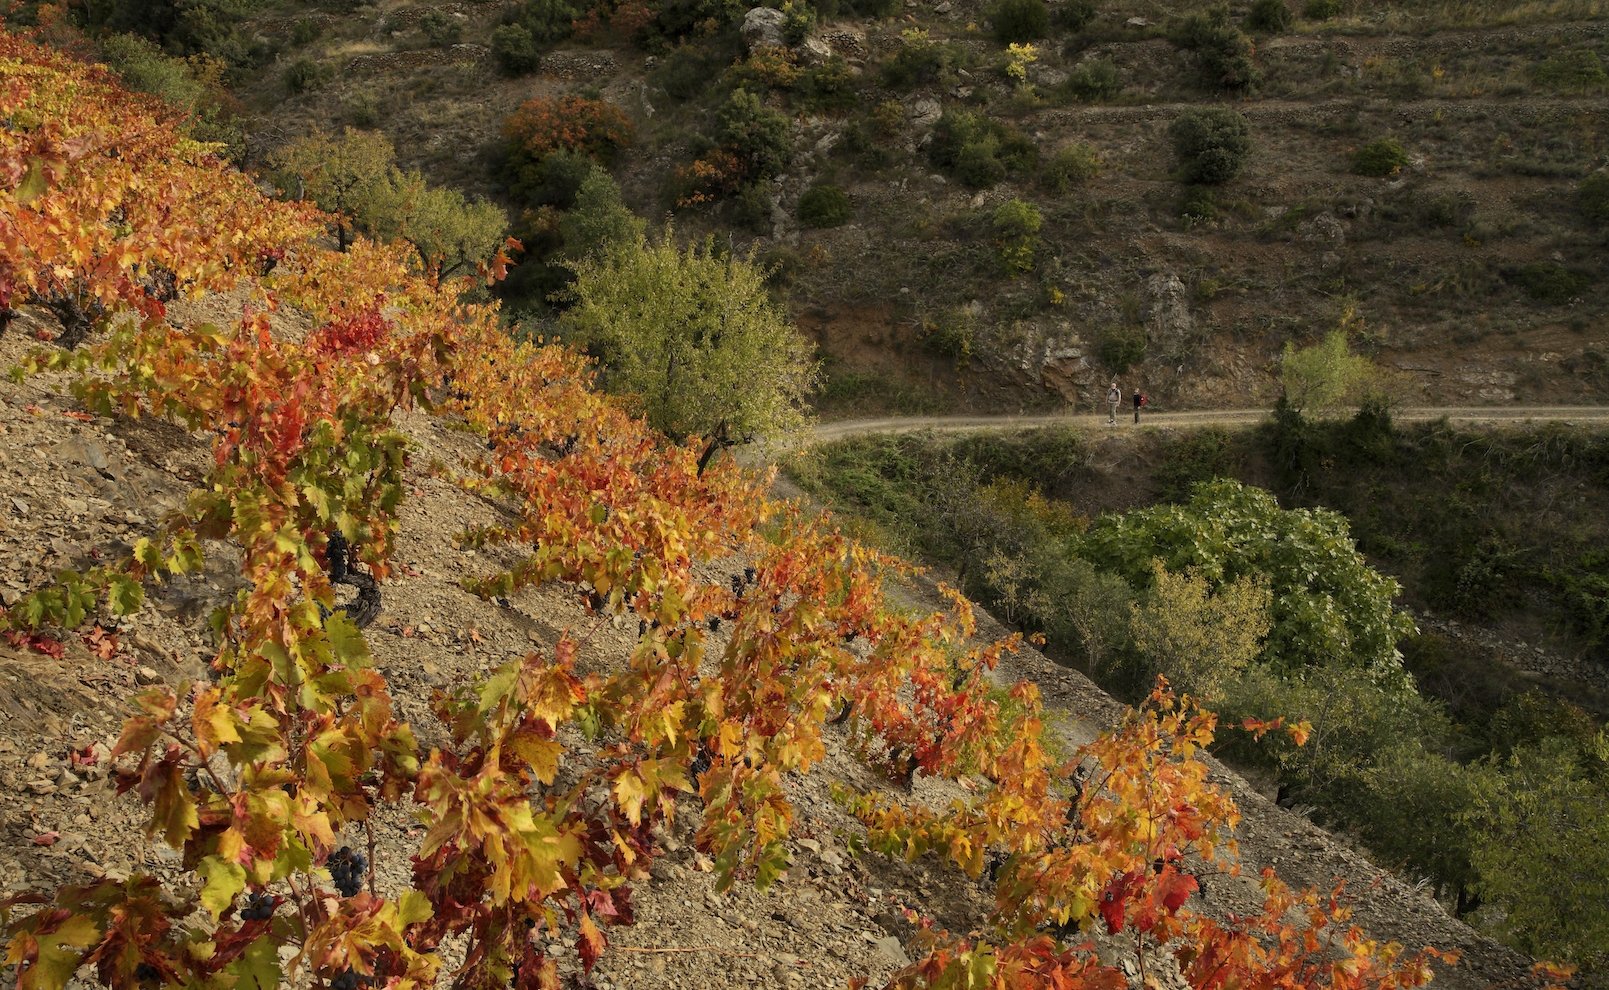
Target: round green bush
x=824 y=206
x=1379 y=158
x=1198 y=204
x=1554 y=284
x=978 y=164
x=1094 y=80
x=1212 y=144
x=1592 y=196
x=515 y=50
x=302 y=75
x=1017 y=21
x=1322 y=10
x=1269 y=17
x=1073 y=165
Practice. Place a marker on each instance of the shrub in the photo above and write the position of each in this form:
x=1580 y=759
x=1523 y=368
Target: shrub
x=302 y=75
x=146 y=68
x=1073 y=165
x=829 y=87
x=824 y=206
x=687 y=70
x=922 y=61
x=798 y=21
x=1551 y=283
x=766 y=68
x=756 y=133
x=978 y=164
x=1212 y=143
x=1592 y=196
x=571 y=123
x=1121 y=349
x=548 y=21
x=751 y=209
x=1572 y=72
x=952 y=335
x=1017 y=21
x=1093 y=80
x=1223 y=54
x=441 y=29
x=1016 y=225
x=888 y=120
x=978 y=151
x=1380 y=157
x=876 y=8
x=1322 y=10
x=599 y=219
x=305 y=31
x=514 y=49
x=552 y=181
x=1198 y=204
x=1269 y=17
x=1073 y=15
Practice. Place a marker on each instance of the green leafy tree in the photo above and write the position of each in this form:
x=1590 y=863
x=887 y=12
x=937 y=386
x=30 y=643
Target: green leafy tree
x=1223 y=54
x=1329 y=606
x=514 y=49
x=449 y=234
x=342 y=175
x=1541 y=818
x=695 y=337
x=1269 y=17
x=1016 y=226
x=1212 y=144
x=1326 y=376
x=1592 y=196
x=824 y=205
x=1199 y=636
x=1072 y=165
x=757 y=133
x=599 y=220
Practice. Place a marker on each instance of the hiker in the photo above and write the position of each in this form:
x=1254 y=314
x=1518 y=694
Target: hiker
x=1139 y=400
x=1114 y=398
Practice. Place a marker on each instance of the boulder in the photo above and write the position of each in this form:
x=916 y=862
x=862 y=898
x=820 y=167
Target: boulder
x=926 y=113
x=813 y=52
x=762 y=27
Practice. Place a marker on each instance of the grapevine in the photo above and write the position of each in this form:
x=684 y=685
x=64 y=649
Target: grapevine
x=105 y=207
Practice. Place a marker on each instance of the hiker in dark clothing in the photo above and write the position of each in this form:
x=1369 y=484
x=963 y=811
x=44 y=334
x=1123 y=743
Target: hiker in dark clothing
x=1139 y=400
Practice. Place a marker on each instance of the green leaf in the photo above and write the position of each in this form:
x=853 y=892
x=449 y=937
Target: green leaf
x=125 y=595
x=224 y=881
x=60 y=953
x=34 y=184
x=257 y=967
x=346 y=639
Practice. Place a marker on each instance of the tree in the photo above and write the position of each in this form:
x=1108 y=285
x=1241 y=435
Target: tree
x=1091 y=604
x=695 y=337
x=1212 y=143
x=342 y=176
x=1020 y=20
x=1326 y=375
x=757 y=133
x=1329 y=606
x=448 y=233
x=1222 y=52
x=1197 y=636
x=599 y=219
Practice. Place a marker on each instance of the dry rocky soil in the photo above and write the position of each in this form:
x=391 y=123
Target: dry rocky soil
x=75 y=489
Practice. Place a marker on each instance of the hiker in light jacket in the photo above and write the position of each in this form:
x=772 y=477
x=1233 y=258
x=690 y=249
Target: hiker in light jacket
x=1114 y=398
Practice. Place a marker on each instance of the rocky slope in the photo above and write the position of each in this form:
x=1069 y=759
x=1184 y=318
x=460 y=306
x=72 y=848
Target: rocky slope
x=75 y=489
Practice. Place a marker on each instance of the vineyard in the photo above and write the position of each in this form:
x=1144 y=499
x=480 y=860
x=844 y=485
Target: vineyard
x=538 y=791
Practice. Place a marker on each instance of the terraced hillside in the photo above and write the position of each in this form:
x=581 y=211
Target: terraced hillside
x=1473 y=263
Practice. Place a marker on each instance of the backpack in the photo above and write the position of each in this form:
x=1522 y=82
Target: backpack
x=1142 y=400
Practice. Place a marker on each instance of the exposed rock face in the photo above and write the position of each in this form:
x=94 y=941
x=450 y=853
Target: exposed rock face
x=926 y=113
x=1066 y=371
x=762 y=26
x=1170 y=325
x=813 y=52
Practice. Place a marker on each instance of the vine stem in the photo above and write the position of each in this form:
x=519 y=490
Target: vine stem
x=368 y=827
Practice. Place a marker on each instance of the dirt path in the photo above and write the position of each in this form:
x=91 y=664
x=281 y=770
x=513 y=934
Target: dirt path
x=1201 y=417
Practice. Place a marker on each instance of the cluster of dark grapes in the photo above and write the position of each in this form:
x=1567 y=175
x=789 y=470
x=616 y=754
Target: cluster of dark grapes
x=596 y=600
x=347 y=869
x=715 y=623
x=700 y=764
x=146 y=971
x=335 y=551
x=350 y=979
x=259 y=907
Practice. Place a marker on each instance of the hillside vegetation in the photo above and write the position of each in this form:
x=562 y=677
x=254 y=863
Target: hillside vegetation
x=998 y=205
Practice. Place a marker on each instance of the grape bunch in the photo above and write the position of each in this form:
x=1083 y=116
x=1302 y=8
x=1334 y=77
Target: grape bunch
x=748 y=575
x=349 y=979
x=145 y=972
x=259 y=907
x=715 y=623
x=700 y=764
x=347 y=869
